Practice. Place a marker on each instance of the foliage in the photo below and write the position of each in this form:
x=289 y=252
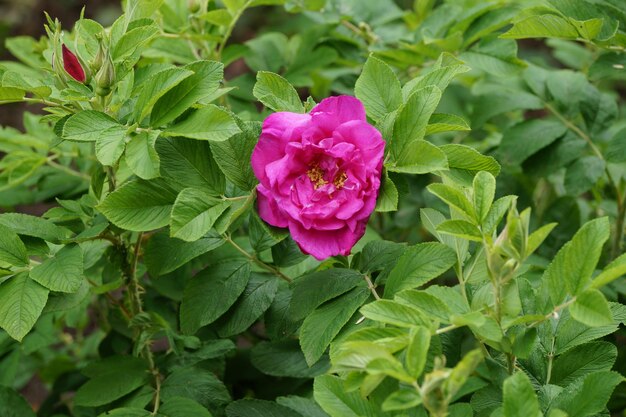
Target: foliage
x=488 y=283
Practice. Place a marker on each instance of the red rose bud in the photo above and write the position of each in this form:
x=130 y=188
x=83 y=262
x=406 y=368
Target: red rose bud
x=72 y=65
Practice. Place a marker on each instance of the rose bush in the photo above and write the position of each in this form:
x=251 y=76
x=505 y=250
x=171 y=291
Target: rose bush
x=319 y=174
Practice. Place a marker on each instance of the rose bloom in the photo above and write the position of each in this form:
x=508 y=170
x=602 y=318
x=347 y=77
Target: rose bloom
x=319 y=174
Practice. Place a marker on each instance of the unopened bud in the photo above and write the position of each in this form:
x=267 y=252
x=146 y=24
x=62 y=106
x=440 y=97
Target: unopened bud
x=105 y=78
x=194 y=5
x=98 y=60
x=72 y=65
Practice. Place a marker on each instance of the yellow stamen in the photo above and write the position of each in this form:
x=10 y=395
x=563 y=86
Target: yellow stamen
x=316 y=175
x=340 y=180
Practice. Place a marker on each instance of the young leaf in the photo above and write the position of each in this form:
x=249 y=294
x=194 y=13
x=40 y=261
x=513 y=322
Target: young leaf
x=455 y=198
x=484 y=191
x=330 y=393
x=387 y=196
x=462 y=229
x=519 y=399
x=570 y=271
x=378 y=88
x=441 y=122
x=276 y=93
x=417 y=351
x=155 y=87
x=22 y=302
x=392 y=312
x=592 y=309
x=63 y=272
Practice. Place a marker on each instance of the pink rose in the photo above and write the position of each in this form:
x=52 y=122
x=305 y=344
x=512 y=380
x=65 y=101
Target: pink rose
x=319 y=174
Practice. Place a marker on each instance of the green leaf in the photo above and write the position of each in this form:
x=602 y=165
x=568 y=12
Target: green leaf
x=582 y=360
x=321 y=326
x=126 y=412
x=378 y=88
x=536 y=238
x=401 y=400
x=418 y=265
x=110 y=145
x=387 y=196
x=208 y=123
x=441 y=122
x=484 y=191
x=420 y=157
x=13 y=404
x=519 y=397
x=141 y=155
x=199 y=385
x=311 y=290
x=254 y=301
x=205 y=80
x=194 y=214
x=183 y=407
x=592 y=309
x=469 y=160
x=89 y=125
x=305 y=406
x=542 y=26
x=233 y=156
x=412 y=119
x=63 y=272
x=258 y=408
x=426 y=302
x=330 y=393
x=12 y=249
x=133 y=40
x=392 y=312
x=462 y=229
x=155 y=87
x=276 y=93
x=583 y=174
x=587 y=396
x=440 y=76
x=570 y=271
x=24 y=224
x=199 y=306
x=139 y=205
x=110 y=381
x=189 y=163
x=417 y=351
x=22 y=302
x=164 y=254
x=284 y=358
x=455 y=198
x=527 y=138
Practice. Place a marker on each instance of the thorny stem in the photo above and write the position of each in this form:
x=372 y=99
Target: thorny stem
x=371 y=286
x=621 y=200
x=256 y=260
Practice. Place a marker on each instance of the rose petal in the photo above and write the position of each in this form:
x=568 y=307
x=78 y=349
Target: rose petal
x=278 y=130
x=333 y=111
x=268 y=209
x=324 y=244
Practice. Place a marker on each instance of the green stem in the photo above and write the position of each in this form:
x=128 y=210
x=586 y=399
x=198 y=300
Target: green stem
x=50 y=162
x=621 y=200
x=229 y=29
x=371 y=286
x=256 y=260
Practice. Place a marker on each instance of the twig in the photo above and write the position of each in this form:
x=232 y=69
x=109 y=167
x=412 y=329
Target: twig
x=256 y=260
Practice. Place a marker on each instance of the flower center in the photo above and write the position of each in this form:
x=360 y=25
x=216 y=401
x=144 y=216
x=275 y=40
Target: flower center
x=316 y=175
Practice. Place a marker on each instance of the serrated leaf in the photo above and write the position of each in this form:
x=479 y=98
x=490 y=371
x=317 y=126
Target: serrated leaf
x=27 y=225
x=588 y=395
x=418 y=265
x=233 y=156
x=284 y=358
x=139 y=205
x=141 y=155
x=417 y=351
x=205 y=80
x=22 y=303
x=462 y=229
x=210 y=123
x=194 y=213
x=583 y=360
x=276 y=93
x=258 y=408
x=392 y=312
x=378 y=88
x=441 y=122
x=156 y=87
x=88 y=125
x=12 y=249
x=199 y=385
x=592 y=309
x=519 y=397
x=387 y=196
x=63 y=272
x=325 y=322
x=542 y=26
x=331 y=395
x=484 y=187
x=570 y=271
x=199 y=306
